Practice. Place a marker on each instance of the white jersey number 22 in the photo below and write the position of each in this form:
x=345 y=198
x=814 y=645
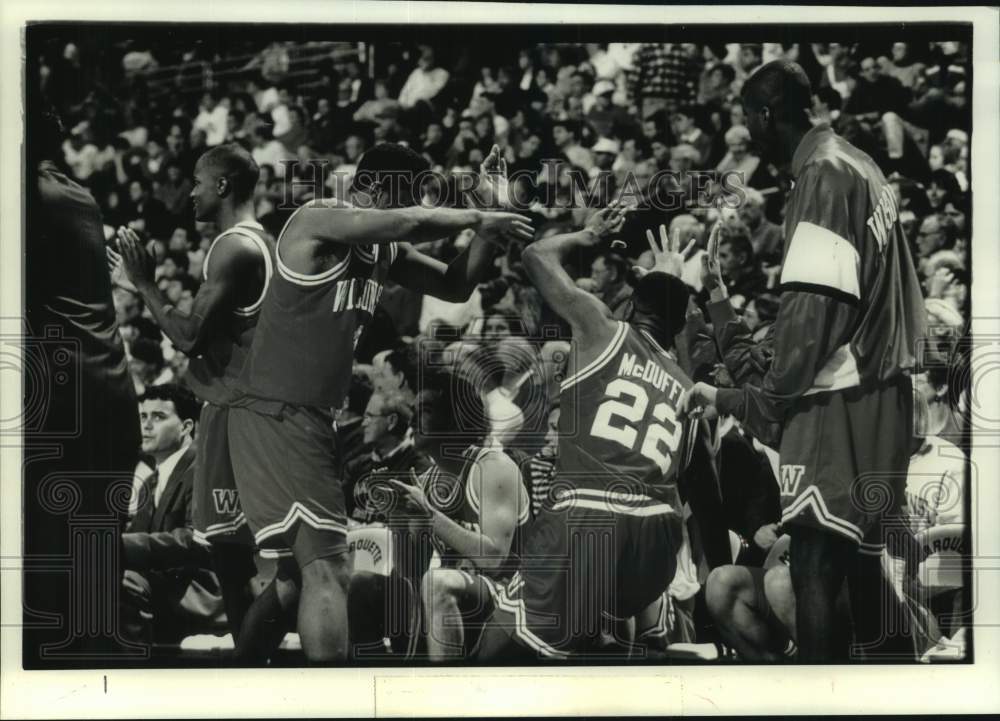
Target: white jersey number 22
x=662 y=436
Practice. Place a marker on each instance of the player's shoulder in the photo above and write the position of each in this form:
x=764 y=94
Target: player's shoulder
x=237 y=246
x=493 y=458
x=832 y=172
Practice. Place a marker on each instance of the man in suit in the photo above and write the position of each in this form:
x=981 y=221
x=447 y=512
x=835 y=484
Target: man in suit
x=169 y=590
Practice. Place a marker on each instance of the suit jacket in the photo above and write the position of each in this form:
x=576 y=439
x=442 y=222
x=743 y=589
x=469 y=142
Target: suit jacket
x=159 y=544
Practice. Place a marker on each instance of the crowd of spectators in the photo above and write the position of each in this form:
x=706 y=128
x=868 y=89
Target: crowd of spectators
x=606 y=118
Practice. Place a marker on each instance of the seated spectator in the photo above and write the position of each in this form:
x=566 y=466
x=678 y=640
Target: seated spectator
x=766 y=238
x=942 y=188
x=211 y=119
x=936 y=233
x=175 y=190
x=684 y=123
x=609 y=273
x=902 y=66
x=350 y=432
x=566 y=136
x=715 y=88
x=147 y=365
x=740 y=272
x=298 y=130
x=386 y=426
x=396 y=372
x=425 y=82
x=606 y=118
x=268 y=151
x=935 y=485
x=147 y=213
x=169 y=591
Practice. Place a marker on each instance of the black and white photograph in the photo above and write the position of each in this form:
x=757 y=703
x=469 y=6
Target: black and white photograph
x=634 y=344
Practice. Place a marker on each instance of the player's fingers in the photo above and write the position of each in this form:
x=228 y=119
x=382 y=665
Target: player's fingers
x=689 y=250
x=652 y=242
x=675 y=241
x=665 y=239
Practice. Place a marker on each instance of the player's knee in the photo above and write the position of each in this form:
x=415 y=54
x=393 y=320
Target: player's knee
x=778 y=588
x=440 y=586
x=327 y=571
x=721 y=590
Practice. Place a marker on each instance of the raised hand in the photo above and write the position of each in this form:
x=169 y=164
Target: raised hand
x=493 y=190
x=667 y=254
x=507 y=226
x=711 y=271
x=606 y=222
x=136 y=263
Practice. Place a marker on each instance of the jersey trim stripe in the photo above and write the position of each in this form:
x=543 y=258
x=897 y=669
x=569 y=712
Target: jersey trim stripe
x=517 y=609
x=299 y=512
x=252 y=309
x=820 y=290
x=839 y=372
x=819 y=257
x=304 y=278
x=595 y=365
x=811 y=499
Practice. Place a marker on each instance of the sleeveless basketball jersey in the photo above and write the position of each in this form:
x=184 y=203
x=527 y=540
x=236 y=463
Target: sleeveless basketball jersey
x=620 y=424
x=213 y=374
x=303 y=348
x=458 y=499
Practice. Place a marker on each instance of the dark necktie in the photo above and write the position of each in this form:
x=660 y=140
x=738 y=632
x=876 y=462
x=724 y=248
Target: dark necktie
x=151 y=483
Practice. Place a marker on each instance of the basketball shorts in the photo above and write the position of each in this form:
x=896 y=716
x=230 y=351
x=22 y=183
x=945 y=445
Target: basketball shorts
x=589 y=559
x=287 y=475
x=218 y=516
x=844 y=459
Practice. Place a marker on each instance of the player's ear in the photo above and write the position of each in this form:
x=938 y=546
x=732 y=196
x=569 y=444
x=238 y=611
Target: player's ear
x=222 y=186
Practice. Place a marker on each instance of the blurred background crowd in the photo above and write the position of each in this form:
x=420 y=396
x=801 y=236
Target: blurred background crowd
x=604 y=117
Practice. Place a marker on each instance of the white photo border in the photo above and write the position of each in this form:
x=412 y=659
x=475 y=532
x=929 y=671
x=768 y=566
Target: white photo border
x=412 y=692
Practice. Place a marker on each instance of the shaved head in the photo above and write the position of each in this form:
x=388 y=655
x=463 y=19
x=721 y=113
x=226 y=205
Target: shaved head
x=782 y=86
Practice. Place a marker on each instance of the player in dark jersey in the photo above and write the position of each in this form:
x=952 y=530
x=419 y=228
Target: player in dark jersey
x=475 y=505
x=845 y=340
x=332 y=258
x=217 y=335
x=80 y=422
x=605 y=549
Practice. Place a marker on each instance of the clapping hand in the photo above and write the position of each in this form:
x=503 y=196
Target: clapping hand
x=135 y=262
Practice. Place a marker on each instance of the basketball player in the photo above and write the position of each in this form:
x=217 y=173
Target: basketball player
x=216 y=335
x=476 y=506
x=332 y=259
x=605 y=549
x=844 y=343
x=80 y=422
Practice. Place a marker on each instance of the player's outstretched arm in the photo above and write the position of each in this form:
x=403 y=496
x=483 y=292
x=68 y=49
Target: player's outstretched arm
x=543 y=260
x=456 y=280
x=332 y=221
x=216 y=296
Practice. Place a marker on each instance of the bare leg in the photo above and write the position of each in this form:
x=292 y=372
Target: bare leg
x=735 y=605
x=440 y=591
x=323 y=626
